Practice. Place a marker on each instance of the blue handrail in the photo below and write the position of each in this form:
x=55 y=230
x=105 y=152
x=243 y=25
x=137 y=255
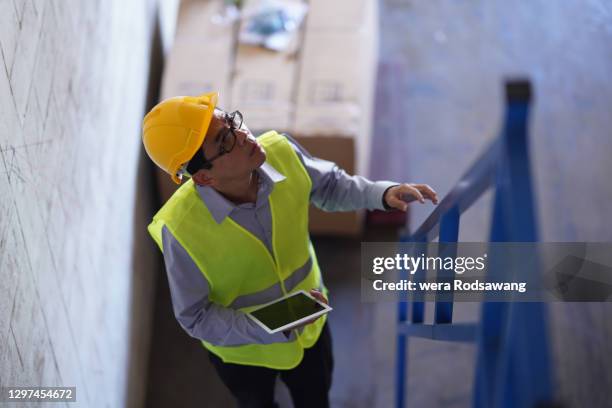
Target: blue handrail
x=513 y=363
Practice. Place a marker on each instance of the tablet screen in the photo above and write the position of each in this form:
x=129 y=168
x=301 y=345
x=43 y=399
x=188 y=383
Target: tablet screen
x=287 y=311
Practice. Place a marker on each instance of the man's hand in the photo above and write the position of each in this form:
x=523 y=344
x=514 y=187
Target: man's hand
x=399 y=196
x=321 y=298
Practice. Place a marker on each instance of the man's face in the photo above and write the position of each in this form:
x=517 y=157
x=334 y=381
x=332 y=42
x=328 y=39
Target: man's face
x=246 y=155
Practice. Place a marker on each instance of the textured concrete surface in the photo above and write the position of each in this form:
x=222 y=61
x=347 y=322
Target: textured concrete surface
x=74 y=267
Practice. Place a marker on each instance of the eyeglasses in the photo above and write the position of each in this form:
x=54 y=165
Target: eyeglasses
x=226 y=139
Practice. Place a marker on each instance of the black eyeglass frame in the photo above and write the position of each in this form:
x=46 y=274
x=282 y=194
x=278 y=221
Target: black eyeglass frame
x=199 y=161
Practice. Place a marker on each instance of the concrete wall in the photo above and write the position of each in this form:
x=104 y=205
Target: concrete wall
x=75 y=263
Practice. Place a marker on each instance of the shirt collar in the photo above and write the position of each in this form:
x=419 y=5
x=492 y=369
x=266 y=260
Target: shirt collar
x=270 y=172
x=220 y=207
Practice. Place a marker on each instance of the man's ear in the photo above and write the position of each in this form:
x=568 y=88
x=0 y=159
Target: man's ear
x=204 y=178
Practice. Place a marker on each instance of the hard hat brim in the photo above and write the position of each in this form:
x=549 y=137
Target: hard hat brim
x=212 y=98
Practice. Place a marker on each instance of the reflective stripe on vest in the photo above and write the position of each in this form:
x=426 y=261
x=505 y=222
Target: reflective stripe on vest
x=240 y=271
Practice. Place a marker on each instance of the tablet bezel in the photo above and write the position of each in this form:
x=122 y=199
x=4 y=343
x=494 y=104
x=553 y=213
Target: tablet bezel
x=326 y=309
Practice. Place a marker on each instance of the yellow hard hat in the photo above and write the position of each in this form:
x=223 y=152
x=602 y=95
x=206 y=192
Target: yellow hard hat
x=174 y=130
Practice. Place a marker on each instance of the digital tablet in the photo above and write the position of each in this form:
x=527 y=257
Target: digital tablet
x=288 y=312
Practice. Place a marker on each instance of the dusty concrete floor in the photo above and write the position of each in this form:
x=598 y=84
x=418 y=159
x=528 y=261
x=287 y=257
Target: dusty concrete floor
x=448 y=60
x=442 y=65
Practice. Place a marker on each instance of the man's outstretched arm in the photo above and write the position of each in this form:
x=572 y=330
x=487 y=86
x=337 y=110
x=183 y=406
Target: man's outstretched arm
x=335 y=190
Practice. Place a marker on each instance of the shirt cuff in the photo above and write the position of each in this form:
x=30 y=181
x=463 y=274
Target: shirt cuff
x=378 y=194
x=289 y=335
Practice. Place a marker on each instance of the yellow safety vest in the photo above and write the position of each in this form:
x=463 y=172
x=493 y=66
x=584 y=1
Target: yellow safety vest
x=236 y=263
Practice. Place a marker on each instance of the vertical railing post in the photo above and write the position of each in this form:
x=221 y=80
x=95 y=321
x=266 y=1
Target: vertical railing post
x=449 y=234
x=525 y=378
x=417 y=314
x=400 y=360
x=513 y=361
x=492 y=324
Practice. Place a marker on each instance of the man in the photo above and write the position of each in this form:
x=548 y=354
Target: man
x=235 y=236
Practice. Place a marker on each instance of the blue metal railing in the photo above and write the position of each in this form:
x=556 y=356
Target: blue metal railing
x=512 y=367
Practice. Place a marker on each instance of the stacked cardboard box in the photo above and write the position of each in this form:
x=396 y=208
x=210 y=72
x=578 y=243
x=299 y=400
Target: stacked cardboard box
x=320 y=89
x=203 y=52
x=263 y=85
x=338 y=70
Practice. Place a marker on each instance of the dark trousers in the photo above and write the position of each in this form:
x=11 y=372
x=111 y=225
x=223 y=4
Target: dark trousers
x=308 y=383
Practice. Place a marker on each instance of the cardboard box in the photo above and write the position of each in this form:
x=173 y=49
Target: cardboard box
x=339 y=15
x=202 y=56
x=340 y=150
x=200 y=61
x=264 y=80
x=262 y=87
x=187 y=72
x=321 y=91
x=335 y=93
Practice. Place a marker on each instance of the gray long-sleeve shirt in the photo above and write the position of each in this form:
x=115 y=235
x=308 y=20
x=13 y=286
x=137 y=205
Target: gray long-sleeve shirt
x=332 y=190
